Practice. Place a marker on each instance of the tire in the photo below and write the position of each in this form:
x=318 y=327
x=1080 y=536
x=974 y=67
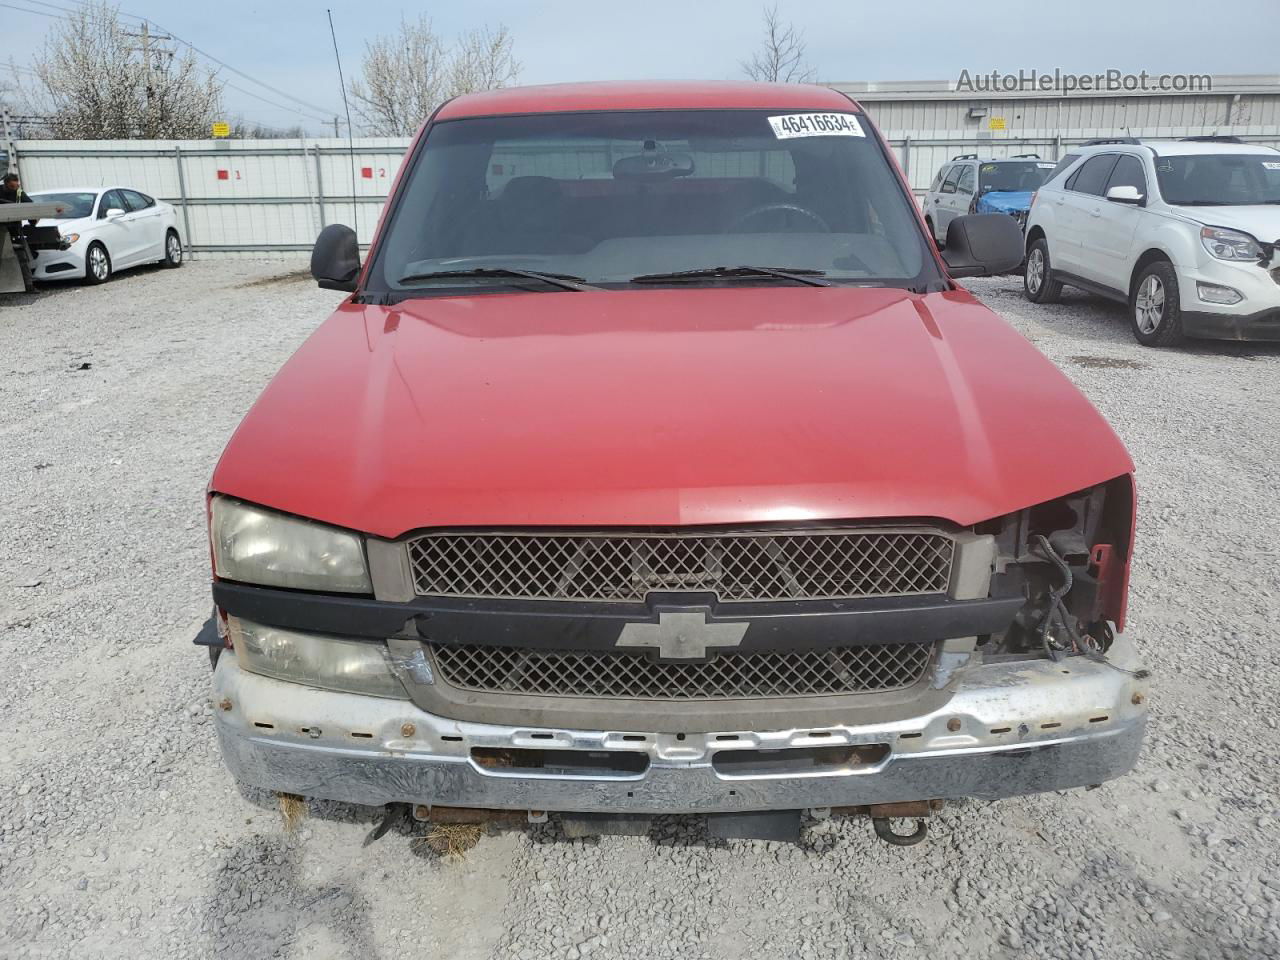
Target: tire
x=1155 y=310
x=172 y=250
x=97 y=264
x=1038 y=283
x=933 y=234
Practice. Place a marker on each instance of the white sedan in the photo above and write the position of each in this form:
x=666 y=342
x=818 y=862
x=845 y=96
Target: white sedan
x=109 y=229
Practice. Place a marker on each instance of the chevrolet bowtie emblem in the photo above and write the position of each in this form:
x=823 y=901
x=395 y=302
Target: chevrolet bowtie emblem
x=682 y=636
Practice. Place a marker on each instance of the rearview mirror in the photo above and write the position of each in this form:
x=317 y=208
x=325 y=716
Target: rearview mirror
x=982 y=245
x=335 y=259
x=114 y=212
x=1124 y=194
x=653 y=165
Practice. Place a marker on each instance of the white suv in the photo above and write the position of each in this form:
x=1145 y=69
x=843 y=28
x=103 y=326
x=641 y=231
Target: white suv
x=971 y=184
x=1184 y=232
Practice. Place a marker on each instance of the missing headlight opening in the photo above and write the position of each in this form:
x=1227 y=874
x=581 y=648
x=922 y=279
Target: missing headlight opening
x=1065 y=557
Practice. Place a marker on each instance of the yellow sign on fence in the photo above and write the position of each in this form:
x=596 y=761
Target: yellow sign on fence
x=222 y=129
x=996 y=123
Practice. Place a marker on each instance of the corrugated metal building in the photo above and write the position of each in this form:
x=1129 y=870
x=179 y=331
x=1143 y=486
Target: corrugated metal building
x=1241 y=105
x=928 y=121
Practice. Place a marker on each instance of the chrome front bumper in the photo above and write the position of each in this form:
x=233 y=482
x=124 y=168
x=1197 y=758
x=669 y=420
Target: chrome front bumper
x=1010 y=728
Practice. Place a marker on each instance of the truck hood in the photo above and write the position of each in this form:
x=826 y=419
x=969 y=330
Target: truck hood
x=666 y=407
x=1262 y=221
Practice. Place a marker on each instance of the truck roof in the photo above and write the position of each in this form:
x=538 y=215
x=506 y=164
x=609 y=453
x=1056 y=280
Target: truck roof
x=647 y=95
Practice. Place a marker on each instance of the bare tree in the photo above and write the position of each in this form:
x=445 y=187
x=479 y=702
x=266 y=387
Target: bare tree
x=97 y=80
x=780 y=58
x=410 y=73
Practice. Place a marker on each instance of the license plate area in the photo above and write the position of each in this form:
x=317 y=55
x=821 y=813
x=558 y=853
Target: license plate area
x=799 y=761
x=589 y=764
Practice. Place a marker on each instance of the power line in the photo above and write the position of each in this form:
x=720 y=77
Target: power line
x=81 y=11
x=323 y=113
x=281 y=106
x=266 y=86
x=41 y=13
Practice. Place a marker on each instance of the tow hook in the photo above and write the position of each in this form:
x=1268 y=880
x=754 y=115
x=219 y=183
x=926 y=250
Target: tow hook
x=884 y=830
x=882 y=815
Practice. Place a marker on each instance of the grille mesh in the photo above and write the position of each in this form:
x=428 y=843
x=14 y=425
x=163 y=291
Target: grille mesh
x=626 y=567
x=792 y=673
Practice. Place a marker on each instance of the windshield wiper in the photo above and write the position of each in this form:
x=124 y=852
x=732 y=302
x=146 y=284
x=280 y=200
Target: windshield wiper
x=564 y=281
x=794 y=274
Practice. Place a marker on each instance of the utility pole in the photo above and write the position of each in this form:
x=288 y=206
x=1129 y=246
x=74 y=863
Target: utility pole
x=335 y=128
x=7 y=141
x=148 y=62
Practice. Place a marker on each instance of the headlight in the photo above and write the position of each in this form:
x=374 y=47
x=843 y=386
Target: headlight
x=260 y=546
x=350 y=666
x=70 y=238
x=1229 y=244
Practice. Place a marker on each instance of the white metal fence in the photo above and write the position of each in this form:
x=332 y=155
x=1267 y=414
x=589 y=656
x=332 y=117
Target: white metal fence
x=271 y=197
x=242 y=196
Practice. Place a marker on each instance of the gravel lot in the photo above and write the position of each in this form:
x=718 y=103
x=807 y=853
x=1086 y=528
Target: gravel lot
x=122 y=835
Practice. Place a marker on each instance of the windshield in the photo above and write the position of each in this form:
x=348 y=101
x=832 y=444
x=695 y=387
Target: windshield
x=1013 y=176
x=607 y=197
x=78 y=204
x=1222 y=179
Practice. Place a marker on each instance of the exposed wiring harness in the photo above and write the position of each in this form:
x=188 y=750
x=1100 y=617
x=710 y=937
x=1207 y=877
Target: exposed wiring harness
x=1057 y=612
x=1084 y=644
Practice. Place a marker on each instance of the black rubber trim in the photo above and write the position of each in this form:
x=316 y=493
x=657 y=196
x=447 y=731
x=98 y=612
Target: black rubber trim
x=208 y=635
x=1262 y=325
x=1071 y=279
x=597 y=626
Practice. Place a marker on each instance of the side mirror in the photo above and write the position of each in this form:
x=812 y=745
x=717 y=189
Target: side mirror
x=1124 y=194
x=982 y=245
x=335 y=259
x=114 y=212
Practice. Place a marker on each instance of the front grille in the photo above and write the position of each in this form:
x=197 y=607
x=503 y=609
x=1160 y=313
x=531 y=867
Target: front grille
x=634 y=676
x=828 y=565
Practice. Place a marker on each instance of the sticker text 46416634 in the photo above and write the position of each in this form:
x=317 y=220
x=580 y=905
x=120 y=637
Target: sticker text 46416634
x=816 y=125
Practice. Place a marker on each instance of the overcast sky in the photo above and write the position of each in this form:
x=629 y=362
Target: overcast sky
x=286 y=43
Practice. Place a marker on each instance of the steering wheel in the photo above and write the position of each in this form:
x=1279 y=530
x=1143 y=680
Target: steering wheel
x=767 y=208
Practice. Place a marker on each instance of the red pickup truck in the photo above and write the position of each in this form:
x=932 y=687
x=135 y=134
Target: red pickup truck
x=655 y=463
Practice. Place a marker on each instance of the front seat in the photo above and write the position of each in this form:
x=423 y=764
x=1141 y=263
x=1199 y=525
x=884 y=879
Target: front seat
x=531 y=217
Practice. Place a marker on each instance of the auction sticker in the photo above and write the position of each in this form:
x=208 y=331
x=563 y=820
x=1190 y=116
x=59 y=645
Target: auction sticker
x=1270 y=165
x=816 y=125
